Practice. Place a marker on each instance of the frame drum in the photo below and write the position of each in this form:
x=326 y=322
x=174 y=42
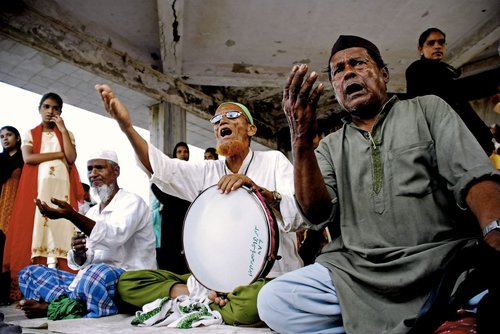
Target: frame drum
x=229 y=239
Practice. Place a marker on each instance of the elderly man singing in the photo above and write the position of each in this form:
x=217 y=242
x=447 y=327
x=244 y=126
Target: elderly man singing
x=116 y=235
x=269 y=173
x=405 y=186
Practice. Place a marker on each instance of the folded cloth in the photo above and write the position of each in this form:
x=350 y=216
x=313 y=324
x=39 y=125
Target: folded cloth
x=197 y=291
x=8 y=328
x=65 y=308
x=181 y=312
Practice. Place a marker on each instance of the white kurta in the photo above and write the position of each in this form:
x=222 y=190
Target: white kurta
x=122 y=236
x=270 y=169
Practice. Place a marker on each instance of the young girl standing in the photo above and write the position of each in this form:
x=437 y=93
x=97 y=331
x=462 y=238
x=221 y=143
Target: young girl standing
x=49 y=172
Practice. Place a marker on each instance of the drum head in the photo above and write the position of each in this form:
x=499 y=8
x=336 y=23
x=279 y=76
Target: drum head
x=226 y=238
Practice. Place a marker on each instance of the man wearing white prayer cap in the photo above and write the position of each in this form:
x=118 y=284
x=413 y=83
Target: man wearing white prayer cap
x=104 y=154
x=115 y=236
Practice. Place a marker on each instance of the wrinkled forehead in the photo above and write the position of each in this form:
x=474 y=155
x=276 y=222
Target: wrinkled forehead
x=343 y=56
x=227 y=107
x=97 y=162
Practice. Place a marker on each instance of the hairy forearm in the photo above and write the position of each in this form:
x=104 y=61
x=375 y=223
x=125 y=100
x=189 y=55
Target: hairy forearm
x=83 y=223
x=483 y=199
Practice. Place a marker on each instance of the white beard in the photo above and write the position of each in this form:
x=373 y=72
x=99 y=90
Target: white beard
x=104 y=192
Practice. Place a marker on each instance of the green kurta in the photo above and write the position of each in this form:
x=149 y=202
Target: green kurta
x=396 y=196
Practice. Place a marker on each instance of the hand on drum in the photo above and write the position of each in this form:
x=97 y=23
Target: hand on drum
x=228 y=183
x=218 y=299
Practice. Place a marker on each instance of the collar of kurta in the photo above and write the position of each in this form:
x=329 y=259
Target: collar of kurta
x=347 y=118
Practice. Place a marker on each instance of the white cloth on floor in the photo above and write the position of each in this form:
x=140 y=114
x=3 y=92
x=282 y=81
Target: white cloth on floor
x=181 y=312
x=197 y=291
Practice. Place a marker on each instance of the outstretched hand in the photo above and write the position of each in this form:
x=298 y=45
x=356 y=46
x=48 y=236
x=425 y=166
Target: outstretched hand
x=64 y=209
x=114 y=107
x=299 y=104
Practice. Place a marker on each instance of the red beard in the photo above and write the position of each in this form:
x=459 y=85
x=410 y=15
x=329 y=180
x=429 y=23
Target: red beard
x=233 y=147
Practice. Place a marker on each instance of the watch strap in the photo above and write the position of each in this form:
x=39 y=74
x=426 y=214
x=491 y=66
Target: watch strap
x=276 y=199
x=494 y=225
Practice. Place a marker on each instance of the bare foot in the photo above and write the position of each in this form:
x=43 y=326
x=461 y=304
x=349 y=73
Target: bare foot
x=178 y=289
x=34 y=308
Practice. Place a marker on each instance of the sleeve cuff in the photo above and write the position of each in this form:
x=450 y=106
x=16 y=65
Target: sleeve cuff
x=319 y=225
x=469 y=178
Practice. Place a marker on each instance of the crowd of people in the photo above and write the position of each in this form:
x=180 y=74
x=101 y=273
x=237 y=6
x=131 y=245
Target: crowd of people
x=395 y=207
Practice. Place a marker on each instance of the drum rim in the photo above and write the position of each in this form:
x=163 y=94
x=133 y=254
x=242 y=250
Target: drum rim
x=272 y=231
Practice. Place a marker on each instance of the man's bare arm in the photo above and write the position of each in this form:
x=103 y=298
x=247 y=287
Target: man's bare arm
x=299 y=103
x=483 y=199
x=120 y=113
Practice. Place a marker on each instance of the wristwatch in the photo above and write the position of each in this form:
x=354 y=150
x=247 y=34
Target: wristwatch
x=494 y=225
x=276 y=199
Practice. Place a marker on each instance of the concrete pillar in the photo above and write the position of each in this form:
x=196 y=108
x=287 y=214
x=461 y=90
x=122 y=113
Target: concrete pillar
x=167 y=126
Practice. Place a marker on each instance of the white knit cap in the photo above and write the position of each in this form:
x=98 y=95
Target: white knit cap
x=104 y=154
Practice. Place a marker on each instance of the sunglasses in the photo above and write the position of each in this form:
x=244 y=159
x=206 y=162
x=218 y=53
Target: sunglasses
x=434 y=41
x=233 y=114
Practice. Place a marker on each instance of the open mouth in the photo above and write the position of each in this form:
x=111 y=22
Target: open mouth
x=353 y=88
x=225 y=132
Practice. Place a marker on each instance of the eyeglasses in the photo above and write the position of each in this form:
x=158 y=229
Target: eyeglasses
x=229 y=115
x=441 y=42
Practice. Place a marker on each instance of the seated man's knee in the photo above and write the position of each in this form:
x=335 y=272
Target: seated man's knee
x=242 y=306
x=264 y=304
x=27 y=272
x=101 y=274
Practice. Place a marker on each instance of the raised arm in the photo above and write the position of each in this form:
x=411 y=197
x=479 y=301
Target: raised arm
x=299 y=103
x=69 y=149
x=120 y=113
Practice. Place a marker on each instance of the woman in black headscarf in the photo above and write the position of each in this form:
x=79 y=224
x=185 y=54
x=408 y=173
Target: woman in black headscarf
x=431 y=75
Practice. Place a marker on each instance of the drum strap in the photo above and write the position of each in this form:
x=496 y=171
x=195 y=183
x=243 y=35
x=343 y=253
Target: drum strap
x=272 y=255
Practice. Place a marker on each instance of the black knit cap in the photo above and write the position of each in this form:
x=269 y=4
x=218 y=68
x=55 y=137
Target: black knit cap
x=350 y=41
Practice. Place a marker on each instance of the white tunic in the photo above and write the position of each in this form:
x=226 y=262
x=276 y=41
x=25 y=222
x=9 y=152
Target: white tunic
x=122 y=236
x=270 y=169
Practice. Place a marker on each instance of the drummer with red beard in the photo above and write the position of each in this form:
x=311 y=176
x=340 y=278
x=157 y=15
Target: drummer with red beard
x=269 y=173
